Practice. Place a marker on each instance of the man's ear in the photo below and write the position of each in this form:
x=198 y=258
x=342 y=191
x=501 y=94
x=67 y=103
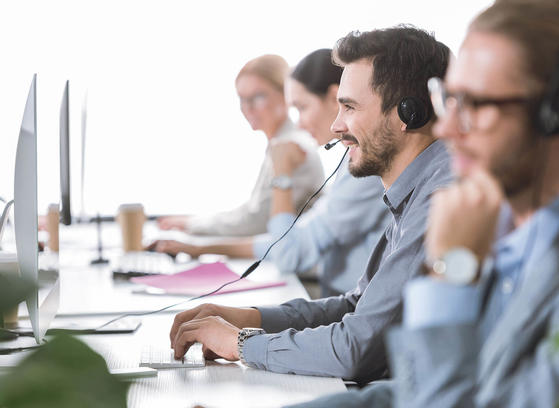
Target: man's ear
x=396 y=121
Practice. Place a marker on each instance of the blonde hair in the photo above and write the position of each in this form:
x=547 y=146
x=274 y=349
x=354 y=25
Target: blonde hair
x=533 y=25
x=271 y=68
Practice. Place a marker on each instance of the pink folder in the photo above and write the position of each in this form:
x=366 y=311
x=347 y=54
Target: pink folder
x=203 y=279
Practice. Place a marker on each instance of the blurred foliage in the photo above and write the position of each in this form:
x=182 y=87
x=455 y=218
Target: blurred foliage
x=63 y=373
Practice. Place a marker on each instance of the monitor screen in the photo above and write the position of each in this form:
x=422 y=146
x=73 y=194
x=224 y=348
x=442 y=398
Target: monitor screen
x=65 y=212
x=43 y=303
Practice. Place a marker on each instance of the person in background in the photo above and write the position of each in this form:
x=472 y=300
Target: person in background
x=482 y=329
x=340 y=231
x=385 y=118
x=260 y=85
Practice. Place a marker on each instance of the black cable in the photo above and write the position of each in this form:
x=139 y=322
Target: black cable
x=305 y=206
x=248 y=271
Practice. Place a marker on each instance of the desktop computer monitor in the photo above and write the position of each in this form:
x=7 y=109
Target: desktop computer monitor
x=43 y=303
x=65 y=211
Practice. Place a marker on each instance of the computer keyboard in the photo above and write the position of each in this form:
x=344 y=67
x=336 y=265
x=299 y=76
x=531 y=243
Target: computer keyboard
x=157 y=357
x=145 y=263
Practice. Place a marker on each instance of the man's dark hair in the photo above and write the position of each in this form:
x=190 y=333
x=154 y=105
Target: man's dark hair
x=317 y=72
x=403 y=58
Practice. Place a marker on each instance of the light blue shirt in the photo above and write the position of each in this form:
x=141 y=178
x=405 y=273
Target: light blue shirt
x=337 y=234
x=342 y=336
x=513 y=255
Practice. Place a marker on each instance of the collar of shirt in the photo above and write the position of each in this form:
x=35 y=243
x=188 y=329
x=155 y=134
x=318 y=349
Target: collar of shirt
x=517 y=250
x=513 y=255
x=423 y=165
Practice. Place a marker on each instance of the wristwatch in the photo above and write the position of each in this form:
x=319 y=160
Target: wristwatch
x=283 y=182
x=458 y=266
x=244 y=334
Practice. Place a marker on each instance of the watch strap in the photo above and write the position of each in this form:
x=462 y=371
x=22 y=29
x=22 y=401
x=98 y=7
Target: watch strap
x=243 y=335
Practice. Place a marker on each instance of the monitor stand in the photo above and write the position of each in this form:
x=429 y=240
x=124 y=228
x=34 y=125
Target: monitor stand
x=100 y=260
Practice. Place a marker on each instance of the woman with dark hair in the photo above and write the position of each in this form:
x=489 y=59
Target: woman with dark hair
x=338 y=234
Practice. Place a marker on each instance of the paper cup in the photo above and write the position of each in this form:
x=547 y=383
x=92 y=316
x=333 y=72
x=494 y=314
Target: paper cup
x=131 y=218
x=53 y=220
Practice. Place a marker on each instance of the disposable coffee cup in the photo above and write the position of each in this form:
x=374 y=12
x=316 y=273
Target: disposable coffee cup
x=53 y=220
x=131 y=218
x=9 y=266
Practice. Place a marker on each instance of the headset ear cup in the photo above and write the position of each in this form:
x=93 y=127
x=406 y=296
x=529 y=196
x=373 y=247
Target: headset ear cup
x=413 y=112
x=548 y=114
x=548 y=121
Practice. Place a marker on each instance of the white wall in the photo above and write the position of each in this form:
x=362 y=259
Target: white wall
x=164 y=126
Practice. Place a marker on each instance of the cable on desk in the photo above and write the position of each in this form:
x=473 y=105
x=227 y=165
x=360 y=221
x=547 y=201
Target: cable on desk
x=248 y=271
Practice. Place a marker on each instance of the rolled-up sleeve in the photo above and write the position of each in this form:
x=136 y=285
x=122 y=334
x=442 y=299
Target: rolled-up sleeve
x=429 y=303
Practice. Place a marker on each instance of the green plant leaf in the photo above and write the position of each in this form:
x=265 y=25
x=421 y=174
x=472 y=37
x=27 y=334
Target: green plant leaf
x=65 y=373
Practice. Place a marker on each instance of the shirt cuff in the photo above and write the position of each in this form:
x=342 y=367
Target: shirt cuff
x=279 y=223
x=260 y=245
x=429 y=303
x=254 y=351
x=273 y=320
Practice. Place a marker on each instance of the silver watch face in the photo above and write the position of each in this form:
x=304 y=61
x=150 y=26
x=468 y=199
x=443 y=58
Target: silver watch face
x=282 y=182
x=460 y=266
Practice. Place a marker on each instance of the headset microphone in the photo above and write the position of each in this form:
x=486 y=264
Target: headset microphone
x=330 y=145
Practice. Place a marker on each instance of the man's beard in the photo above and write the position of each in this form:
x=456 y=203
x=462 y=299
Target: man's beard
x=377 y=152
x=519 y=170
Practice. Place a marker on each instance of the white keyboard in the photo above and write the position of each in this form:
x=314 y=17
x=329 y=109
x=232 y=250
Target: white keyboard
x=145 y=263
x=157 y=357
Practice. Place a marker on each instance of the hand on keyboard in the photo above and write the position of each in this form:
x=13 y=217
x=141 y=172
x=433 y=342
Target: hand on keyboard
x=218 y=336
x=173 y=248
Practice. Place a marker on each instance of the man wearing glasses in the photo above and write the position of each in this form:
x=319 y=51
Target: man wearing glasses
x=482 y=329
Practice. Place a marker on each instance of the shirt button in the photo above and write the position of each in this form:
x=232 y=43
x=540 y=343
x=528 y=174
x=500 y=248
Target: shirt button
x=508 y=286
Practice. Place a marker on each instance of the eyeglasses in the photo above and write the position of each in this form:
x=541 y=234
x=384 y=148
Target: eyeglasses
x=472 y=112
x=256 y=101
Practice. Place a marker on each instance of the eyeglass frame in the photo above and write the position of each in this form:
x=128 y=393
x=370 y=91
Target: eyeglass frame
x=439 y=97
x=257 y=100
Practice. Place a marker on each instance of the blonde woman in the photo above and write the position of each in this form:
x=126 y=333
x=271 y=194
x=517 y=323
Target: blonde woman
x=260 y=85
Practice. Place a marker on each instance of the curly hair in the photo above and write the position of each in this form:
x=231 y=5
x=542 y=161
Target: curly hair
x=403 y=58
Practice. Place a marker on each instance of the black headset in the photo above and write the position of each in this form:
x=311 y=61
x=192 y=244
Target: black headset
x=414 y=112
x=548 y=113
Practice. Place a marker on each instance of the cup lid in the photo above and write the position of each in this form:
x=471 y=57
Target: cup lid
x=131 y=207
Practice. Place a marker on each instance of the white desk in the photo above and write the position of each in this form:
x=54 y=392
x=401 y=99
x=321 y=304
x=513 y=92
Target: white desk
x=219 y=384
x=91 y=293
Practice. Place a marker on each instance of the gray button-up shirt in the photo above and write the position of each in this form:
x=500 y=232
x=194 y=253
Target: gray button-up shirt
x=342 y=336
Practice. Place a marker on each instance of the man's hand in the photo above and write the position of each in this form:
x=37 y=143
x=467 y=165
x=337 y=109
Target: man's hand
x=286 y=157
x=218 y=337
x=173 y=222
x=464 y=215
x=237 y=317
x=173 y=248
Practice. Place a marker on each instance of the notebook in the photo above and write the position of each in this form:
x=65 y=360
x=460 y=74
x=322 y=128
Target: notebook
x=203 y=279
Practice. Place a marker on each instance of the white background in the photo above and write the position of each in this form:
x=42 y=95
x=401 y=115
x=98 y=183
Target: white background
x=164 y=126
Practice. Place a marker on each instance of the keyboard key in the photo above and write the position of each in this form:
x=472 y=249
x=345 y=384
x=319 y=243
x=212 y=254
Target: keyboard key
x=156 y=357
